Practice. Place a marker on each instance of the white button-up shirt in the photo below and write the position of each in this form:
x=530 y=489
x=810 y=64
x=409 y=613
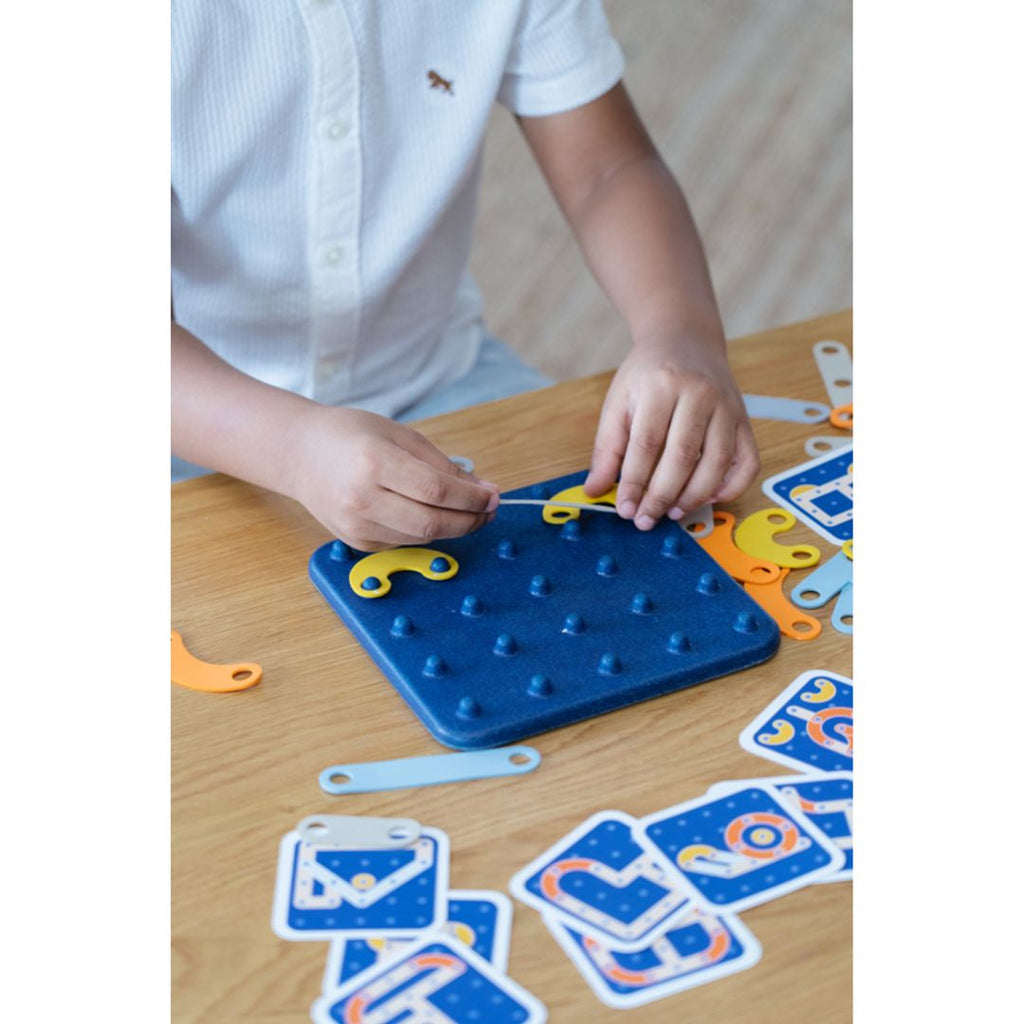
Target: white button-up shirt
x=325 y=161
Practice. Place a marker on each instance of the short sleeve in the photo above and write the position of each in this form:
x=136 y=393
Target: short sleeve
x=562 y=56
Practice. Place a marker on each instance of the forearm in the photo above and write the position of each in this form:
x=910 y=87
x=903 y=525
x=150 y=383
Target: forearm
x=630 y=218
x=640 y=241
x=227 y=421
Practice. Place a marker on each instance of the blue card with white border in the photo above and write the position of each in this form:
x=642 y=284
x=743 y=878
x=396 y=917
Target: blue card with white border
x=599 y=881
x=477 y=917
x=326 y=889
x=701 y=948
x=740 y=849
x=437 y=979
x=819 y=493
x=809 y=726
x=827 y=800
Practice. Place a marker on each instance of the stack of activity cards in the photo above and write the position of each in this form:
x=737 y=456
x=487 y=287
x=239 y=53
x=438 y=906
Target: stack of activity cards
x=648 y=907
x=402 y=945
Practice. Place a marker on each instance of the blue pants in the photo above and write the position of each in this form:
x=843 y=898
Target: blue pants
x=497 y=373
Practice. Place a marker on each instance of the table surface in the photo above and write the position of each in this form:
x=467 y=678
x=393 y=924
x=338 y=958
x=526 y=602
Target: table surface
x=245 y=765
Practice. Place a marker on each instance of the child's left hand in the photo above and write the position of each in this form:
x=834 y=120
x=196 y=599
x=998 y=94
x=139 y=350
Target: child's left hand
x=675 y=427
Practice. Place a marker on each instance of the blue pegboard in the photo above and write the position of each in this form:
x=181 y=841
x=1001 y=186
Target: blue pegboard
x=545 y=624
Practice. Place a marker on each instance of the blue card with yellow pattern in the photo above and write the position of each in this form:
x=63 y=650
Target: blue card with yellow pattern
x=809 y=726
x=820 y=493
x=478 y=918
x=740 y=849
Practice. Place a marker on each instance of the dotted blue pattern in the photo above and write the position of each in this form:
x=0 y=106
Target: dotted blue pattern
x=611 y=843
x=686 y=941
x=479 y=915
x=802 y=750
x=831 y=504
x=545 y=624
x=706 y=824
x=836 y=825
x=472 y=996
x=410 y=905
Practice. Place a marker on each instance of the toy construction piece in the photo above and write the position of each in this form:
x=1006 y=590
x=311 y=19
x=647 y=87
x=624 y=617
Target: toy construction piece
x=568 y=503
x=188 y=671
x=836 y=369
x=738 y=564
x=792 y=622
x=842 y=612
x=756 y=536
x=791 y=410
x=700 y=522
x=842 y=417
x=817 y=589
x=432 y=770
x=370 y=576
x=822 y=444
x=359 y=832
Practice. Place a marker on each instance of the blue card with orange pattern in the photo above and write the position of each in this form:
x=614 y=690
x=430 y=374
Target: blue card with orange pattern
x=809 y=726
x=437 y=978
x=700 y=948
x=740 y=849
x=600 y=881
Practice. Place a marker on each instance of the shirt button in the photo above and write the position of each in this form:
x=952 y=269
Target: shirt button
x=337 y=129
x=335 y=255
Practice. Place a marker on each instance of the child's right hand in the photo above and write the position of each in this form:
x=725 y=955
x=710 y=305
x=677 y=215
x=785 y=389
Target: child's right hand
x=377 y=484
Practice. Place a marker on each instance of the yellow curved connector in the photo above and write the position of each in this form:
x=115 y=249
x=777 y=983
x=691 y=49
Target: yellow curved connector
x=370 y=576
x=555 y=515
x=848 y=549
x=756 y=536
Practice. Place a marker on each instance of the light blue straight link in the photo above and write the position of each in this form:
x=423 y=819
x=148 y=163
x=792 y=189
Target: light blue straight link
x=497 y=373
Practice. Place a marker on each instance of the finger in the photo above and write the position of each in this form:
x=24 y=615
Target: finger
x=686 y=436
x=716 y=458
x=609 y=447
x=443 y=488
x=416 y=444
x=682 y=452
x=745 y=468
x=646 y=439
x=401 y=520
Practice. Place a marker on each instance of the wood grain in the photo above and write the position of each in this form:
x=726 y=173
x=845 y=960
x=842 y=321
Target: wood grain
x=245 y=765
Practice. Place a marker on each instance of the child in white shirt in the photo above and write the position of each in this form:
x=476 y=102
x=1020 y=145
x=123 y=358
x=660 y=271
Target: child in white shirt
x=326 y=157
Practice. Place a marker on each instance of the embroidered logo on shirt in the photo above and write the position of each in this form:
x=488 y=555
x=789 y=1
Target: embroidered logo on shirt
x=437 y=82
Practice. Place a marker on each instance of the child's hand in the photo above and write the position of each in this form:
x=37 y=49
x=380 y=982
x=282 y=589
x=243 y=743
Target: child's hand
x=378 y=484
x=674 y=425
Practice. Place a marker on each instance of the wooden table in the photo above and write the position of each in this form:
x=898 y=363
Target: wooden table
x=245 y=765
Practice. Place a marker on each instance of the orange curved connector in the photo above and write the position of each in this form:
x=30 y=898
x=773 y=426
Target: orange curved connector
x=792 y=621
x=187 y=670
x=842 y=418
x=738 y=564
